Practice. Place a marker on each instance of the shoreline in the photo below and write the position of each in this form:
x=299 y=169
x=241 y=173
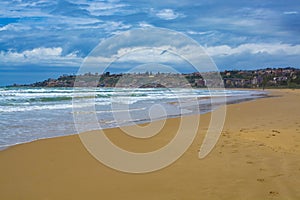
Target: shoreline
x=256 y=157
x=229 y=100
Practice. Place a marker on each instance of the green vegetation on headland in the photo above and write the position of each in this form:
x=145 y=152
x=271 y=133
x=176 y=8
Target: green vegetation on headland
x=262 y=78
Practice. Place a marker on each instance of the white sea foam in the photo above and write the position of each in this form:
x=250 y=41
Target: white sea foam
x=28 y=114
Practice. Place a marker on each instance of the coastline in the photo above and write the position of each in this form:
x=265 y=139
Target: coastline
x=256 y=157
x=54 y=106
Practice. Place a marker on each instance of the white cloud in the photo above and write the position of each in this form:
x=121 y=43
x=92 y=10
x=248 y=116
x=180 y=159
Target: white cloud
x=290 y=12
x=199 y=32
x=145 y=25
x=168 y=14
x=23 y=9
x=14 y=27
x=136 y=55
x=40 y=56
x=73 y=20
x=43 y=52
x=104 y=8
x=6 y=27
x=144 y=54
x=271 y=49
x=108 y=26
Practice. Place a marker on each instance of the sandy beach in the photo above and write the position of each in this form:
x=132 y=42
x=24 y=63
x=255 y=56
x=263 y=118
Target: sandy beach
x=256 y=157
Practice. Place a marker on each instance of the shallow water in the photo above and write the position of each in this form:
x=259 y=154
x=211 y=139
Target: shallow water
x=28 y=114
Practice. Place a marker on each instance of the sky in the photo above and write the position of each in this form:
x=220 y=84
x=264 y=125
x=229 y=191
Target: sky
x=40 y=39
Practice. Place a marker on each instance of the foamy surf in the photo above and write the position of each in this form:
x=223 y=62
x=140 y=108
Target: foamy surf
x=28 y=114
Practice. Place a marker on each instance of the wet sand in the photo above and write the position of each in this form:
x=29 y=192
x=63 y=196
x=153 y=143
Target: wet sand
x=256 y=157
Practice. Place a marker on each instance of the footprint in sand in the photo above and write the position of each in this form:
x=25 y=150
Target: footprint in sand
x=235 y=151
x=260 y=180
x=274 y=193
x=244 y=130
x=275 y=131
x=277 y=175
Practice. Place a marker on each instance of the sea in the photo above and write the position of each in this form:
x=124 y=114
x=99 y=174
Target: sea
x=32 y=113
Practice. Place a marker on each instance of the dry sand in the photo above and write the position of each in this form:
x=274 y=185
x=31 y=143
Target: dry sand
x=256 y=157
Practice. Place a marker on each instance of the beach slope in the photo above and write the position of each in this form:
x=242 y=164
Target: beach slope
x=256 y=157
